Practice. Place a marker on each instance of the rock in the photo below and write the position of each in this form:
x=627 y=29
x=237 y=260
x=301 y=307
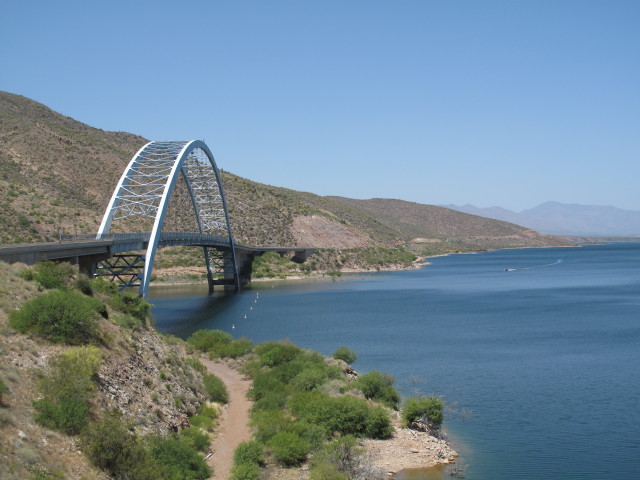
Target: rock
x=415 y=450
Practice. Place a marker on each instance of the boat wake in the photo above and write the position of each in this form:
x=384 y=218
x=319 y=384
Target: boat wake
x=513 y=269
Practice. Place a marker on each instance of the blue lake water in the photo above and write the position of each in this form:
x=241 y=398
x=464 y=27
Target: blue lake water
x=540 y=364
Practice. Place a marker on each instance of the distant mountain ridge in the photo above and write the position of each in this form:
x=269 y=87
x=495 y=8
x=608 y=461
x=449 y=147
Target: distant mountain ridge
x=565 y=219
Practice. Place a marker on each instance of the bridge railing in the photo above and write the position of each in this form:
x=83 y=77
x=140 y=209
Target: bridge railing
x=164 y=237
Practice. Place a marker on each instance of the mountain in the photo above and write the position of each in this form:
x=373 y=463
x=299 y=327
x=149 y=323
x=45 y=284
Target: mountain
x=57 y=176
x=566 y=219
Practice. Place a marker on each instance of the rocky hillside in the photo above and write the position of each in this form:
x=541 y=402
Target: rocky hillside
x=58 y=174
x=52 y=389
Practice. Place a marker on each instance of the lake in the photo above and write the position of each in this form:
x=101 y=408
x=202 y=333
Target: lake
x=536 y=352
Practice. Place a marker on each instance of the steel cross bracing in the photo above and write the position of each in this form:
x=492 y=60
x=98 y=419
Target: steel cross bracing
x=146 y=187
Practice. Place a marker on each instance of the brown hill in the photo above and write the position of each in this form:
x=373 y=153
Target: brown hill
x=57 y=176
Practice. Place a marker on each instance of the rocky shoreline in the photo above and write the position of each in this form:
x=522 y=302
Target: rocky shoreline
x=408 y=449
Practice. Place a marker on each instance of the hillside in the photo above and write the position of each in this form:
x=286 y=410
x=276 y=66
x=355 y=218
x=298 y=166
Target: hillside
x=58 y=175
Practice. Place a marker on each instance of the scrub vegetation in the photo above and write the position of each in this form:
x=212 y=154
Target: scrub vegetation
x=75 y=333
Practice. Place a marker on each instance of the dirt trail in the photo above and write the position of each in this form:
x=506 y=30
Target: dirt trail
x=234 y=424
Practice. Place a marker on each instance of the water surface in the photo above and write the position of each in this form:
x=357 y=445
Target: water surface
x=536 y=351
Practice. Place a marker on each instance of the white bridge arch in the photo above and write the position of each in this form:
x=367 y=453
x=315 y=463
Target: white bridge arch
x=145 y=189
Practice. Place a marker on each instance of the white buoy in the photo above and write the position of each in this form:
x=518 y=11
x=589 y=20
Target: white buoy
x=233 y=326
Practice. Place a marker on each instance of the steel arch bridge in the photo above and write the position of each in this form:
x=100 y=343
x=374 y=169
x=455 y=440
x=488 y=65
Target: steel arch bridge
x=144 y=191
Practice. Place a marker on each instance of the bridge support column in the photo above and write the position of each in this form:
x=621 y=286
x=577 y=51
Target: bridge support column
x=231 y=283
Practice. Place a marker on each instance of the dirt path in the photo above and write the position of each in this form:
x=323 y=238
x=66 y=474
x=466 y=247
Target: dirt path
x=234 y=424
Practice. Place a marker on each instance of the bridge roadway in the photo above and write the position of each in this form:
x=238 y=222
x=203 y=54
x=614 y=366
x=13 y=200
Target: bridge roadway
x=87 y=250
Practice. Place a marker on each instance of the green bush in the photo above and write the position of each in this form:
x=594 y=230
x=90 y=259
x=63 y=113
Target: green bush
x=268 y=423
x=206 y=340
x=273 y=400
x=67 y=414
x=265 y=383
x=346 y=354
x=272 y=354
x=208 y=411
x=83 y=284
x=67 y=390
x=215 y=388
x=288 y=448
x=339 y=459
x=327 y=471
x=195 y=364
x=245 y=471
x=378 y=425
x=61 y=316
x=378 y=386
x=426 y=409
x=103 y=286
x=249 y=452
x=195 y=438
x=133 y=305
x=178 y=460
x=49 y=274
x=113 y=448
x=3 y=389
x=345 y=415
x=233 y=349
x=310 y=379
x=316 y=435
x=201 y=421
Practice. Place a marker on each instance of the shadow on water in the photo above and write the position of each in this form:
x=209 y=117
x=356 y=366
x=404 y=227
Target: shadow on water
x=182 y=310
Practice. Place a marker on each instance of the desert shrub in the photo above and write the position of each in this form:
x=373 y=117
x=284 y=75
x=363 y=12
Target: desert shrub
x=233 y=349
x=3 y=389
x=195 y=438
x=343 y=459
x=67 y=414
x=215 y=388
x=103 y=286
x=49 y=274
x=272 y=400
x=310 y=379
x=288 y=448
x=426 y=409
x=201 y=421
x=67 y=390
x=61 y=316
x=178 y=460
x=245 y=471
x=263 y=384
x=195 y=364
x=312 y=433
x=83 y=284
x=345 y=415
x=327 y=471
x=378 y=425
x=346 y=354
x=340 y=456
x=113 y=448
x=133 y=305
x=206 y=340
x=84 y=360
x=208 y=411
x=268 y=423
x=249 y=452
x=273 y=354
x=378 y=386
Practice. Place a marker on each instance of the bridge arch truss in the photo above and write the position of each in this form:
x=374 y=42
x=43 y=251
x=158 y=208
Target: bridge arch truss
x=146 y=186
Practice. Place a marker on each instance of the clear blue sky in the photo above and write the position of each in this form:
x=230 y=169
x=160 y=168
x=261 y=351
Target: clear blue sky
x=496 y=102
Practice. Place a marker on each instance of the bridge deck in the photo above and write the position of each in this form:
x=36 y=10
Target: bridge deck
x=74 y=246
